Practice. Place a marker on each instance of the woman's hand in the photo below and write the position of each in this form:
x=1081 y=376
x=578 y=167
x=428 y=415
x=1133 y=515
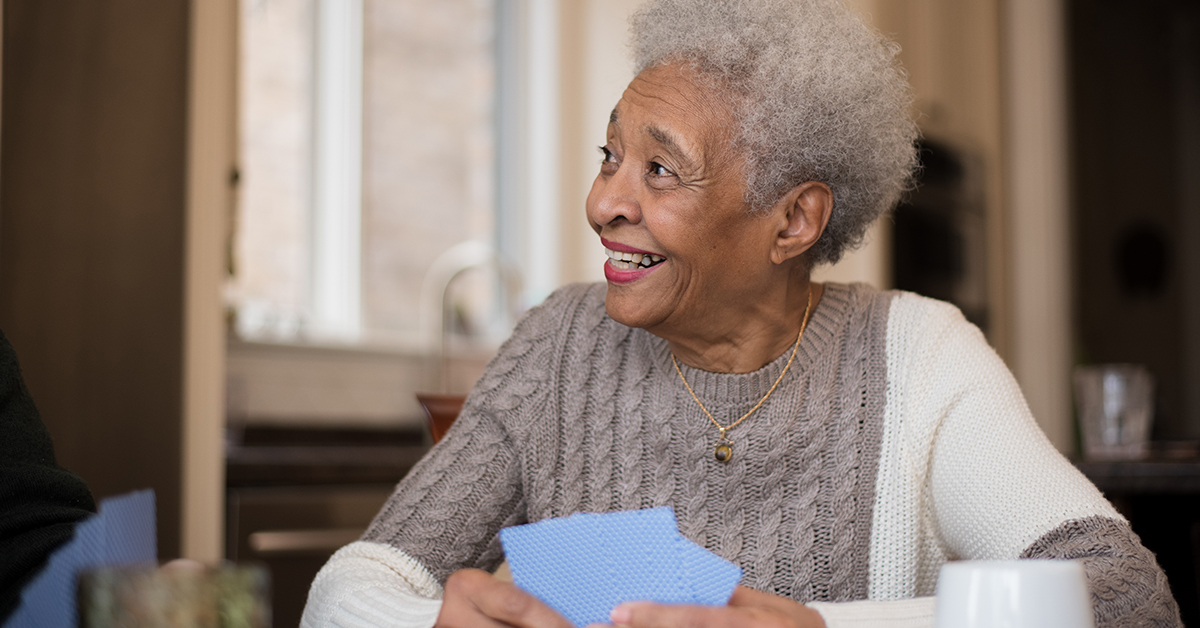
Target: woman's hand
x=747 y=608
x=476 y=598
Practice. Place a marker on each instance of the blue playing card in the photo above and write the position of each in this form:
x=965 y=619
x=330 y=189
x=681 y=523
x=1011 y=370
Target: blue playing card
x=122 y=533
x=559 y=562
x=129 y=529
x=711 y=579
x=641 y=550
x=585 y=564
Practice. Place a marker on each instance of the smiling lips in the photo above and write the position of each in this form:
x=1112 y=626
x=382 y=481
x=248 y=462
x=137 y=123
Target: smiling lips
x=631 y=261
x=625 y=264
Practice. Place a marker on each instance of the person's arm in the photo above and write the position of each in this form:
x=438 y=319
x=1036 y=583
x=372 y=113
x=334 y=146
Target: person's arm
x=367 y=584
x=997 y=488
x=966 y=473
x=445 y=516
x=40 y=502
x=1126 y=583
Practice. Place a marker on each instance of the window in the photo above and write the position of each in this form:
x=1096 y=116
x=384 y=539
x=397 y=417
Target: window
x=368 y=172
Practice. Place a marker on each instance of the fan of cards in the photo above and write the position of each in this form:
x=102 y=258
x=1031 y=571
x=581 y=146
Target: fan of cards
x=585 y=564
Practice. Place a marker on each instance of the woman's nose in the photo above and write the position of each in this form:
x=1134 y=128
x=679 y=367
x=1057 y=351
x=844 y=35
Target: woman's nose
x=612 y=199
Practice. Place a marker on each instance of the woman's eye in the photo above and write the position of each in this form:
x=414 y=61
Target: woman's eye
x=659 y=170
x=607 y=155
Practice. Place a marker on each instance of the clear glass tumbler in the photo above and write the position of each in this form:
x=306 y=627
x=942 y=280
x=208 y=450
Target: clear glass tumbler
x=1116 y=403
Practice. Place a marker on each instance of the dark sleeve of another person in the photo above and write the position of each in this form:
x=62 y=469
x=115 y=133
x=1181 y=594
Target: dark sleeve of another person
x=40 y=502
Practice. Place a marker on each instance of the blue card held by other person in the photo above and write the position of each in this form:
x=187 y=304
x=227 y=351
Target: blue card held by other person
x=122 y=533
x=585 y=564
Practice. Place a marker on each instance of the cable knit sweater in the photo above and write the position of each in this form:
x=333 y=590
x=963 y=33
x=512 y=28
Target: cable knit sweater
x=897 y=441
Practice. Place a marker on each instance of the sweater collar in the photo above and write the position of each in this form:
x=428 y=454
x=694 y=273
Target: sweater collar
x=824 y=324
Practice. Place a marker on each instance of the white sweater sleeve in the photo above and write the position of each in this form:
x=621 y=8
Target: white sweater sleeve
x=965 y=451
x=369 y=585
x=964 y=470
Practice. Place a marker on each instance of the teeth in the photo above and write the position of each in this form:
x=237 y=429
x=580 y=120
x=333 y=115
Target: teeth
x=632 y=261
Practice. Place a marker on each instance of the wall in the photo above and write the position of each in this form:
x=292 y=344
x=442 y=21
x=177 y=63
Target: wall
x=211 y=137
x=989 y=80
x=1037 y=207
x=595 y=68
x=951 y=50
x=92 y=189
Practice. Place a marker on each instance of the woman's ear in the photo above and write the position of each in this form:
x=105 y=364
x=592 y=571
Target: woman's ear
x=805 y=211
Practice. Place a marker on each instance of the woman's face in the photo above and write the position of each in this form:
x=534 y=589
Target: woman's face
x=670 y=192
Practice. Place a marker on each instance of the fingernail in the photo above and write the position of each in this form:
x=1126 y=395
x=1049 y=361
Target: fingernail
x=620 y=615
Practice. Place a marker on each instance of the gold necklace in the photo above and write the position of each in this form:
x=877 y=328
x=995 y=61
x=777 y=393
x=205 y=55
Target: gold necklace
x=724 y=448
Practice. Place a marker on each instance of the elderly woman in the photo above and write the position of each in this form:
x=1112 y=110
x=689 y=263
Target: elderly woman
x=837 y=443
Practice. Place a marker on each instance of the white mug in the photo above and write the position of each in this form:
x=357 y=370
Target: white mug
x=1013 y=594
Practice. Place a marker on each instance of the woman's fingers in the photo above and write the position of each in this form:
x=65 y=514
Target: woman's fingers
x=476 y=598
x=747 y=608
x=647 y=615
x=514 y=607
x=745 y=596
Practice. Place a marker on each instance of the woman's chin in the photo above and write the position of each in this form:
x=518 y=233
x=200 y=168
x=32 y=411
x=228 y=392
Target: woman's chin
x=640 y=297
x=631 y=308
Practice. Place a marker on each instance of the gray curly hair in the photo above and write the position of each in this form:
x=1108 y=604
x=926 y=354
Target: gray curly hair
x=819 y=96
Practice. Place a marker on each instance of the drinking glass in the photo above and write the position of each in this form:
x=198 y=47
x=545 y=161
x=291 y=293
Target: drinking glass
x=180 y=594
x=1115 y=403
x=1013 y=594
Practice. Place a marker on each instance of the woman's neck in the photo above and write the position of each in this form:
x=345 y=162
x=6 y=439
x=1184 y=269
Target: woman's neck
x=750 y=339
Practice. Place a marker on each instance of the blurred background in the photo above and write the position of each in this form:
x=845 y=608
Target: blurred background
x=238 y=236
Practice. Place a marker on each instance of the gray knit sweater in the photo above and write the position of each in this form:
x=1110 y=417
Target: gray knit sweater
x=578 y=413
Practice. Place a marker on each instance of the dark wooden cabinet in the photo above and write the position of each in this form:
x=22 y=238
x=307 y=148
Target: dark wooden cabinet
x=294 y=496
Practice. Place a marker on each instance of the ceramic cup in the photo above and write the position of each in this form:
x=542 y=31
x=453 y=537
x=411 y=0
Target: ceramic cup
x=1013 y=594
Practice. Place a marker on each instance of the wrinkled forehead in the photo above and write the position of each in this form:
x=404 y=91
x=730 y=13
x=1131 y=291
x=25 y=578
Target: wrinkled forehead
x=671 y=106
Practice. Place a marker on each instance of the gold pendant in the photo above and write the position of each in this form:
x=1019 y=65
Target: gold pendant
x=723 y=452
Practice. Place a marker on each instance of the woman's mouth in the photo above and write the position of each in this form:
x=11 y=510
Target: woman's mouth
x=626 y=264
x=632 y=261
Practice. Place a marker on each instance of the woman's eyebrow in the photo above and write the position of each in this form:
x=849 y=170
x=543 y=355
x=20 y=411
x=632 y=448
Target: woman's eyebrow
x=668 y=141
